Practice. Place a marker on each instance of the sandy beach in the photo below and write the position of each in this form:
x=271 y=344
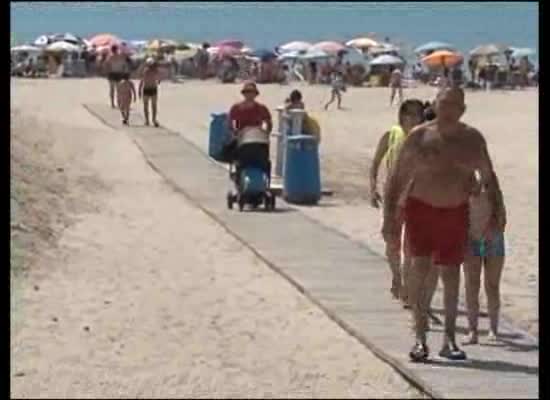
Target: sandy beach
x=138 y=293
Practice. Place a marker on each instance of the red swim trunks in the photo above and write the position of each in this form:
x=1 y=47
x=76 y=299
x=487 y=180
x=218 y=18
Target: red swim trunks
x=437 y=232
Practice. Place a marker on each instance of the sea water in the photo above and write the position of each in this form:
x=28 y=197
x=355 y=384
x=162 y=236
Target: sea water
x=268 y=24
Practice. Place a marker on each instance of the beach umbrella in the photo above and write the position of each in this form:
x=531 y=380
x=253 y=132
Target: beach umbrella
x=314 y=54
x=123 y=48
x=522 y=52
x=68 y=37
x=104 y=39
x=230 y=43
x=329 y=47
x=42 y=41
x=247 y=51
x=294 y=46
x=224 y=51
x=63 y=46
x=387 y=59
x=161 y=44
x=291 y=55
x=137 y=45
x=433 y=46
x=442 y=58
x=264 y=54
x=26 y=49
x=487 y=50
x=383 y=48
x=181 y=55
x=362 y=43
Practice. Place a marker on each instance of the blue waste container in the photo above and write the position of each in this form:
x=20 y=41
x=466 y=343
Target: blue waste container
x=219 y=135
x=302 y=177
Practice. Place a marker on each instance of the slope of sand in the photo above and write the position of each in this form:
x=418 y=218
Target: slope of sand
x=509 y=121
x=144 y=296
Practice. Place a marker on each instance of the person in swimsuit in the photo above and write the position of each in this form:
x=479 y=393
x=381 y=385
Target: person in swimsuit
x=396 y=85
x=126 y=91
x=116 y=66
x=430 y=184
x=485 y=251
x=148 y=89
x=411 y=114
x=338 y=87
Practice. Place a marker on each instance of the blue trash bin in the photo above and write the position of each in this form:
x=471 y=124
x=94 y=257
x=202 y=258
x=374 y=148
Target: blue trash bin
x=302 y=177
x=219 y=135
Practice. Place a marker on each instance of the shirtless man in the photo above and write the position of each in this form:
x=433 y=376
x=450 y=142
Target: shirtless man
x=396 y=85
x=431 y=183
x=148 y=89
x=116 y=66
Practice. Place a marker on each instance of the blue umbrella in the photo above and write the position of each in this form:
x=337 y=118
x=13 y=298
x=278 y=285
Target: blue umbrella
x=387 y=60
x=433 y=46
x=524 y=52
x=264 y=54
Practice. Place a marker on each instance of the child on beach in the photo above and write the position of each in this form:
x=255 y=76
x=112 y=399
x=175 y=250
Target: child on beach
x=148 y=89
x=338 y=86
x=411 y=113
x=486 y=251
x=126 y=91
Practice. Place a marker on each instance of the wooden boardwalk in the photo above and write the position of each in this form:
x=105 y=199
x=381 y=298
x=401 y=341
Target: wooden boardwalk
x=346 y=279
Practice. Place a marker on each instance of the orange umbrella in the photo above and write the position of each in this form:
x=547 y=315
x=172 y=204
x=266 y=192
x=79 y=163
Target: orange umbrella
x=442 y=58
x=104 y=39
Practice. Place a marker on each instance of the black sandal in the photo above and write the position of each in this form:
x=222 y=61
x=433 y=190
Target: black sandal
x=419 y=353
x=453 y=353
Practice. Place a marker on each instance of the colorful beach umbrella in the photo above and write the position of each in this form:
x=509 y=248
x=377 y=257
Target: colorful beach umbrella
x=294 y=46
x=433 y=46
x=442 y=58
x=387 y=60
x=224 y=51
x=328 y=47
x=230 y=43
x=487 y=50
x=104 y=39
x=362 y=43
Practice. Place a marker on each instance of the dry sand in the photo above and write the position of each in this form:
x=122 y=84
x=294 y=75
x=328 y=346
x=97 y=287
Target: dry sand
x=176 y=307
x=141 y=294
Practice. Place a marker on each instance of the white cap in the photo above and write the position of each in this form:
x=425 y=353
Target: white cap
x=150 y=61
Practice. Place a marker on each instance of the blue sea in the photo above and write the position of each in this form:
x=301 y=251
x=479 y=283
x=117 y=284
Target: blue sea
x=267 y=24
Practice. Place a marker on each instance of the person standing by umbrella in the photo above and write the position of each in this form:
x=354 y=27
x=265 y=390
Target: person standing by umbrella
x=116 y=65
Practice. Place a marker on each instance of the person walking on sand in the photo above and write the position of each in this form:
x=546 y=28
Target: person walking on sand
x=337 y=87
x=116 y=65
x=396 y=85
x=126 y=91
x=148 y=89
x=430 y=183
x=411 y=114
x=485 y=250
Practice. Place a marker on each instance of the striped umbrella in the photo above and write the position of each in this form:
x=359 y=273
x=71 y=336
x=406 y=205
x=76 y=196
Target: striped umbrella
x=230 y=43
x=433 y=46
x=104 y=39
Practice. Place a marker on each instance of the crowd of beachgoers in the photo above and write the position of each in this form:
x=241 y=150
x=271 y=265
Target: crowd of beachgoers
x=362 y=61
